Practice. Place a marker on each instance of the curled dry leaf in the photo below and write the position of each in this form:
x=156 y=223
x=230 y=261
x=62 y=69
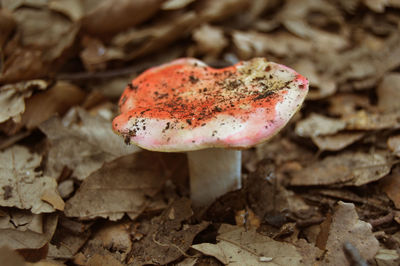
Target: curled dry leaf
x=347 y=169
x=316 y=125
x=387 y=257
x=22 y=185
x=175 y=4
x=7 y=25
x=83 y=147
x=210 y=40
x=394 y=144
x=325 y=85
x=41 y=106
x=391 y=186
x=28 y=239
x=10 y=257
x=389 y=92
x=336 y=142
x=126 y=185
x=37 y=46
x=252 y=44
x=238 y=246
x=295 y=15
x=363 y=120
x=346 y=227
x=111 y=16
x=168 y=237
x=12 y=98
x=344 y=104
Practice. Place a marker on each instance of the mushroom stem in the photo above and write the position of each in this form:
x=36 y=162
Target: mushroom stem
x=213 y=172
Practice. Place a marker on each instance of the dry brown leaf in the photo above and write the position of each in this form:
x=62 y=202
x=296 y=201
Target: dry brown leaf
x=393 y=143
x=9 y=257
x=295 y=15
x=66 y=244
x=322 y=85
x=112 y=16
x=346 y=227
x=210 y=40
x=103 y=259
x=168 y=236
x=238 y=246
x=28 y=239
x=250 y=44
x=175 y=4
x=317 y=125
x=71 y=8
x=7 y=25
x=126 y=185
x=391 y=186
x=218 y=10
x=83 y=147
x=347 y=169
x=347 y=104
x=387 y=257
x=388 y=92
x=22 y=185
x=363 y=120
x=150 y=39
x=336 y=142
x=42 y=37
x=56 y=100
x=12 y=98
x=22 y=220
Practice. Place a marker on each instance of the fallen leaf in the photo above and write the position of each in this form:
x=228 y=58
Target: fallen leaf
x=108 y=17
x=83 y=147
x=105 y=259
x=251 y=44
x=294 y=16
x=346 y=227
x=12 y=98
x=387 y=257
x=22 y=185
x=56 y=100
x=391 y=186
x=388 y=92
x=363 y=120
x=347 y=169
x=28 y=240
x=168 y=236
x=317 y=125
x=126 y=185
x=238 y=246
x=175 y=4
x=10 y=257
x=345 y=104
x=210 y=40
x=7 y=25
x=393 y=143
x=322 y=85
x=336 y=142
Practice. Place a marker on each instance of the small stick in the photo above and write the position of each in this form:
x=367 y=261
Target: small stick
x=382 y=220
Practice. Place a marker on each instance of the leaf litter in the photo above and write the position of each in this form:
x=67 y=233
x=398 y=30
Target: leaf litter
x=322 y=192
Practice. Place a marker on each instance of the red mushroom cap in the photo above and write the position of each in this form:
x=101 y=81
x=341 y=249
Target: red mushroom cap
x=186 y=105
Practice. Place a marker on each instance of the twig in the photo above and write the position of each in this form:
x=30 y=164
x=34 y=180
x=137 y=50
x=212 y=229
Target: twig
x=382 y=220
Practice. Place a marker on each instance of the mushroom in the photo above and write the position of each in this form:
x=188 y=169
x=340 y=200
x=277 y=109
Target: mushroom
x=187 y=106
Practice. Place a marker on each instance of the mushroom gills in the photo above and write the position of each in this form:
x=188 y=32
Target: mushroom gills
x=213 y=172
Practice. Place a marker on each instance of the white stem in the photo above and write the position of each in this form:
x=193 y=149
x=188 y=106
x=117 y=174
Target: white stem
x=213 y=172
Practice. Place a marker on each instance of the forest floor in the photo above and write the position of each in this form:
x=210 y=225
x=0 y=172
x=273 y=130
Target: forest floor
x=324 y=191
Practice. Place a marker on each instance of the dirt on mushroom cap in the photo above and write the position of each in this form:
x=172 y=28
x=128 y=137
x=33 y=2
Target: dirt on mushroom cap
x=186 y=105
